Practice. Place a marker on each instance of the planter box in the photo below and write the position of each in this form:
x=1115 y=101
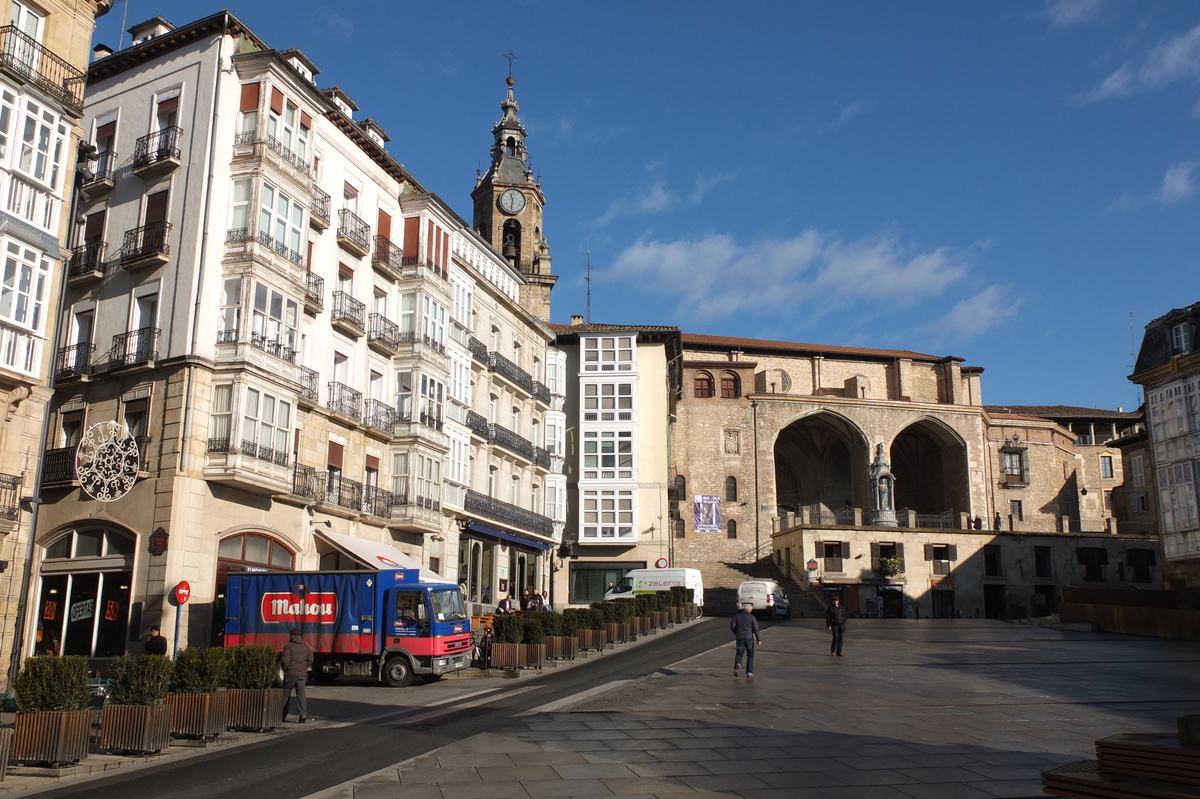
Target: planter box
x=693 y=610
x=141 y=729
x=53 y=737
x=199 y=715
x=592 y=640
x=641 y=624
x=612 y=632
x=6 y=735
x=628 y=633
x=562 y=647
x=677 y=614
x=659 y=619
x=255 y=709
x=532 y=656
x=506 y=656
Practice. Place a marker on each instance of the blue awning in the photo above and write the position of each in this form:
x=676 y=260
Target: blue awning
x=501 y=535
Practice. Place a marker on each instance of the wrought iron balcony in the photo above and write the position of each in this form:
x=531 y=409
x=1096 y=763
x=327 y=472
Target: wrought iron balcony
x=345 y=400
x=383 y=333
x=388 y=258
x=404 y=498
x=58 y=465
x=343 y=492
x=280 y=248
x=478 y=424
x=288 y=155
x=158 y=152
x=541 y=393
x=310 y=385
x=307 y=482
x=512 y=442
x=136 y=346
x=541 y=458
x=264 y=453
x=10 y=496
x=431 y=420
x=146 y=246
x=318 y=210
x=105 y=175
x=514 y=374
x=22 y=55
x=272 y=347
x=348 y=314
x=380 y=415
x=314 y=294
x=87 y=262
x=353 y=233
x=73 y=361
x=377 y=501
x=479 y=350
x=428 y=263
x=508 y=515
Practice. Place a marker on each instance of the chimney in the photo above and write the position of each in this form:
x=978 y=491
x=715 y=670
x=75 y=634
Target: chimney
x=101 y=51
x=576 y=319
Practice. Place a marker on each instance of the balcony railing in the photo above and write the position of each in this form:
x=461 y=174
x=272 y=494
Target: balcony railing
x=272 y=347
x=10 y=496
x=314 y=294
x=479 y=350
x=307 y=482
x=310 y=384
x=354 y=230
x=318 y=210
x=403 y=498
x=87 y=260
x=514 y=374
x=136 y=346
x=346 y=400
x=73 y=361
x=541 y=393
x=162 y=145
x=349 y=310
x=58 y=465
x=146 y=241
x=478 y=423
x=287 y=154
x=264 y=453
x=280 y=248
x=380 y=415
x=501 y=436
x=509 y=515
x=383 y=330
x=388 y=255
x=106 y=167
x=23 y=55
x=420 y=260
x=541 y=458
x=342 y=491
x=377 y=501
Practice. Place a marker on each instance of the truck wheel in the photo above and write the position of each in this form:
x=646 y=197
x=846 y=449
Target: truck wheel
x=397 y=673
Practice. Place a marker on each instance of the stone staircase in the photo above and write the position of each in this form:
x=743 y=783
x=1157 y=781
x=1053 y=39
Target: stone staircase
x=722 y=579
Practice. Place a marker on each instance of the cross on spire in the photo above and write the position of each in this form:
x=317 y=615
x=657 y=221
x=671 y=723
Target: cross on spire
x=510 y=56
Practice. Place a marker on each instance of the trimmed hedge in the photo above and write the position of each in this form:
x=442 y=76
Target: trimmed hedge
x=507 y=628
x=252 y=666
x=200 y=671
x=140 y=679
x=50 y=682
x=533 y=632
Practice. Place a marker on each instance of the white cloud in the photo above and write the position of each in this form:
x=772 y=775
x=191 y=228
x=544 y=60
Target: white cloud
x=1172 y=60
x=1065 y=13
x=1179 y=183
x=975 y=315
x=715 y=276
x=706 y=183
x=847 y=112
x=331 y=23
x=655 y=196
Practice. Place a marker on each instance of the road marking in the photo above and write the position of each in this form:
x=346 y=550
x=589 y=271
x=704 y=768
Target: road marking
x=572 y=699
x=444 y=709
x=407 y=710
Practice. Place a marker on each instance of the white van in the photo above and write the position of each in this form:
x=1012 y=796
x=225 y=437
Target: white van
x=647 y=581
x=766 y=597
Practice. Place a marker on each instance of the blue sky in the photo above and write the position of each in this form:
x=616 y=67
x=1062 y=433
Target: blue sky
x=1011 y=183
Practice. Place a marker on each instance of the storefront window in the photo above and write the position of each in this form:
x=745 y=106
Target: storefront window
x=83 y=607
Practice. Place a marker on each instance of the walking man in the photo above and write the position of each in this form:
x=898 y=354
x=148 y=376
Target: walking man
x=835 y=620
x=745 y=631
x=295 y=660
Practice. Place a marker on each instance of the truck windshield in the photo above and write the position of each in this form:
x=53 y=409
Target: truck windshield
x=448 y=605
x=623 y=587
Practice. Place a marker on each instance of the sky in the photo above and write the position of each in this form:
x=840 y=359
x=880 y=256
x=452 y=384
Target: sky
x=1013 y=183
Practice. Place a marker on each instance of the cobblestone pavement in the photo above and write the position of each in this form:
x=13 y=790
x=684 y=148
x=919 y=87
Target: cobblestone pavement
x=928 y=708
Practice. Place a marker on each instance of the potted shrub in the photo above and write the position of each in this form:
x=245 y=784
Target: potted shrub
x=624 y=619
x=608 y=618
x=561 y=643
x=641 y=614
x=136 y=718
x=589 y=632
x=199 y=708
x=678 y=598
x=533 y=646
x=53 y=724
x=254 y=704
x=659 y=616
x=508 y=630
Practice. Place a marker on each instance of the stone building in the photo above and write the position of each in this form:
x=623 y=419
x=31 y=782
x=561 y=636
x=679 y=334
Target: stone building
x=279 y=350
x=42 y=74
x=1168 y=370
x=779 y=438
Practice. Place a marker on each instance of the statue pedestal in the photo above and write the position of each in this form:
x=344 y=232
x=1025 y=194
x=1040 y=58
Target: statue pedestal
x=884 y=518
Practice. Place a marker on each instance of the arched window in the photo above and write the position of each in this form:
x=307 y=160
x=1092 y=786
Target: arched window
x=679 y=533
x=254 y=550
x=702 y=387
x=731 y=529
x=83 y=606
x=731 y=489
x=729 y=386
x=680 y=488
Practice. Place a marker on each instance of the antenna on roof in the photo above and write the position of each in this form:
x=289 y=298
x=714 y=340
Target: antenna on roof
x=124 y=16
x=589 y=283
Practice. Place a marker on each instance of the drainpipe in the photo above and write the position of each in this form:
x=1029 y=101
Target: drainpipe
x=757 y=498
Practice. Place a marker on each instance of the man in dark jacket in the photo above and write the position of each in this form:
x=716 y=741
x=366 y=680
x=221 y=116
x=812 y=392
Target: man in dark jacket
x=295 y=660
x=156 y=644
x=745 y=631
x=835 y=620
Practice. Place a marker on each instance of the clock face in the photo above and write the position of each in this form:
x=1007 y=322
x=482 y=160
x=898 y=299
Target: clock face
x=512 y=201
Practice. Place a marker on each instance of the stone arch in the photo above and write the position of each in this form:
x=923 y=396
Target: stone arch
x=929 y=462
x=821 y=459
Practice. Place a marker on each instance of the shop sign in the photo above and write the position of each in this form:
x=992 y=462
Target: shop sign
x=158 y=541
x=83 y=610
x=812 y=565
x=943 y=585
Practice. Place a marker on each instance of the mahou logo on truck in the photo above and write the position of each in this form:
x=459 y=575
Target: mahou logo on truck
x=320 y=608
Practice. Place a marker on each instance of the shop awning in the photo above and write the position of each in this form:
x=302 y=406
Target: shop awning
x=501 y=535
x=376 y=555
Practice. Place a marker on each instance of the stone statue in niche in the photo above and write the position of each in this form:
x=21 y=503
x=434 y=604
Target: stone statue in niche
x=733 y=442
x=883 y=497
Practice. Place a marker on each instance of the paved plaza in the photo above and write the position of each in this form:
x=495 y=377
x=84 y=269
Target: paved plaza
x=916 y=708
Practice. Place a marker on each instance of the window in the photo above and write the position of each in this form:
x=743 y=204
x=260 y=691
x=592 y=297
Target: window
x=1093 y=560
x=288 y=129
x=890 y=551
x=941 y=556
x=25 y=281
x=1016 y=510
x=266 y=427
x=702 y=386
x=83 y=605
x=460 y=378
x=608 y=402
x=554 y=436
x=731 y=493
x=1141 y=561
x=554 y=502
x=434 y=322
x=1177 y=497
x=1043 y=563
x=731 y=529
x=417 y=479
x=1139 y=502
x=1138 y=468
x=231 y=306
x=239 y=209
x=991 y=561
x=607 y=516
x=25 y=19
x=729 y=386
x=255 y=549
x=432 y=394
x=607 y=451
x=1108 y=496
x=43 y=145
x=608 y=354
x=1106 y=466
x=1181 y=339
x=222 y=416
x=458 y=460
x=273 y=323
x=281 y=221
x=833 y=553
x=1012 y=466
x=71 y=425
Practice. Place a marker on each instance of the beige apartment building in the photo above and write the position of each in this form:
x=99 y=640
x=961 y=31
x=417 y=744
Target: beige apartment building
x=44 y=50
x=279 y=351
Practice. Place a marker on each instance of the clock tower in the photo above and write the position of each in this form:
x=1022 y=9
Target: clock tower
x=508 y=209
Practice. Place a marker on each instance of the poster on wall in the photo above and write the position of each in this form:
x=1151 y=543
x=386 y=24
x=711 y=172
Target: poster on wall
x=708 y=514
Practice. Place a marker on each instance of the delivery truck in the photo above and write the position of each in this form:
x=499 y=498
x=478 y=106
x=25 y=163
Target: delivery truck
x=647 y=581
x=387 y=625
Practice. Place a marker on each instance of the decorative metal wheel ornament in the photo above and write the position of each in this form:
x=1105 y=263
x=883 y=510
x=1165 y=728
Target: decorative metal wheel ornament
x=107 y=461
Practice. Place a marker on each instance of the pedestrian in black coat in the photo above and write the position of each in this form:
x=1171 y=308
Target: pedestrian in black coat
x=835 y=620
